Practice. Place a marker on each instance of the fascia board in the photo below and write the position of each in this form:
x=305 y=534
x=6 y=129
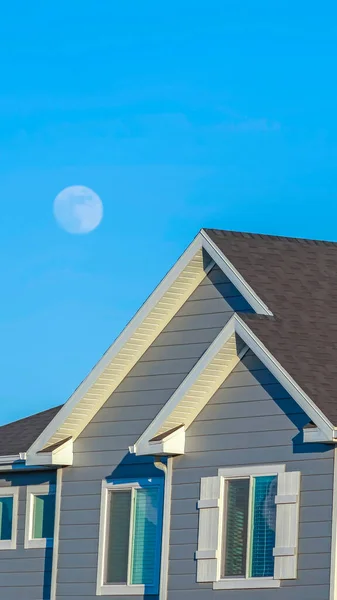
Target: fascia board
x=193 y=375
x=283 y=377
x=234 y=276
x=235 y=324
x=136 y=321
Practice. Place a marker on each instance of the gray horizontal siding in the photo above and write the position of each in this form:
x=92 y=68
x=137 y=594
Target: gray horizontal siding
x=102 y=448
x=25 y=573
x=204 y=592
x=252 y=420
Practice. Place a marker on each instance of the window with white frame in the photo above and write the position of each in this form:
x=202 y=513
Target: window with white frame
x=248 y=527
x=40 y=516
x=8 y=517
x=130 y=537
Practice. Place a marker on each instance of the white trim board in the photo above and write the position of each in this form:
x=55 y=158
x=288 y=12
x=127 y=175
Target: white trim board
x=222 y=359
x=333 y=567
x=110 y=589
x=59 y=457
x=14 y=493
x=42 y=489
x=234 y=326
x=138 y=335
x=234 y=276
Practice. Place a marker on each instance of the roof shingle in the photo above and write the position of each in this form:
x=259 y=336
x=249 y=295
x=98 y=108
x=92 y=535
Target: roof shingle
x=18 y=436
x=297 y=280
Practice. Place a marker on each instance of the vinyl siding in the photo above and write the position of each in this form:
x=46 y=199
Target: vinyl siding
x=102 y=448
x=252 y=420
x=25 y=574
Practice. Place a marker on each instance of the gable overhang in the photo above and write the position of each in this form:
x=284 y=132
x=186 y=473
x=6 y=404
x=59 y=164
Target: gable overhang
x=211 y=371
x=171 y=442
x=137 y=337
x=58 y=455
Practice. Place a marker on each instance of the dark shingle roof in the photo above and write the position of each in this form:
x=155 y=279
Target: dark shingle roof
x=297 y=280
x=18 y=436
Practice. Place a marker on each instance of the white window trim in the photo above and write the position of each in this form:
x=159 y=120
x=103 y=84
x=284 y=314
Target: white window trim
x=45 y=489
x=245 y=582
x=103 y=589
x=14 y=492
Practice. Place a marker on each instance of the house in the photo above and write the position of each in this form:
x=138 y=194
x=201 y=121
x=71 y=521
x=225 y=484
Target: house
x=197 y=460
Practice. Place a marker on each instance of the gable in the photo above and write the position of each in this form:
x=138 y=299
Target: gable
x=260 y=259
x=154 y=316
x=205 y=378
x=145 y=390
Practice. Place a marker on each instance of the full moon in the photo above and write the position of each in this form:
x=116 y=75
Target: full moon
x=78 y=209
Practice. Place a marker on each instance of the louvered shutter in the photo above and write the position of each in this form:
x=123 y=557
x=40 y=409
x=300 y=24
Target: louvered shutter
x=209 y=505
x=287 y=522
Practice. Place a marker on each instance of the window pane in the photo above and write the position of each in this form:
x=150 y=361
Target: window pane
x=263 y=526
x=6 y=517
x=118 y=536
x=236 y=523
x=43 y=516
x=145 y=536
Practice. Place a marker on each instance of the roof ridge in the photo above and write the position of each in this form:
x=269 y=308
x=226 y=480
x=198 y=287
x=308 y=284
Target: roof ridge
x=265 y=236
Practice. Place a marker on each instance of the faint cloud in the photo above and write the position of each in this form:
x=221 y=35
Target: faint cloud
x=252 y=126
x=180 y=123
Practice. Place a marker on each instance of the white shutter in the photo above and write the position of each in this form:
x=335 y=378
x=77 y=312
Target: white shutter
x=210 y=512
x=287 y=521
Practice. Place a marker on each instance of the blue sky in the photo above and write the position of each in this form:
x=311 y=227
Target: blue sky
x=179 y=115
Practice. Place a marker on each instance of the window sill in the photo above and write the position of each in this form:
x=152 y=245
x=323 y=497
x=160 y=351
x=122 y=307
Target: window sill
x=7 y=545
x=39 y=543
x=126 y=590
x=245 y=584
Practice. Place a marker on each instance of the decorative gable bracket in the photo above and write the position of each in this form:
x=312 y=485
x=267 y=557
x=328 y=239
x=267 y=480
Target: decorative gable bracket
x=60 y=455
x=169 y=443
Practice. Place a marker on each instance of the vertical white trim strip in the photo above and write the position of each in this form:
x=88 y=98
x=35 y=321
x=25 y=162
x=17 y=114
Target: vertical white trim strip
x=102 y=538
x=58 y=496
x=249 y=526
x=131 y=538
x=333 y=568
x=165 y=544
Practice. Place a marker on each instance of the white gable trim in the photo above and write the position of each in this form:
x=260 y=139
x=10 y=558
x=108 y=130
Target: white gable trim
x=234 y=276
x=219 y=374
x=283 y=377
x=136 y=338
x=234 y=325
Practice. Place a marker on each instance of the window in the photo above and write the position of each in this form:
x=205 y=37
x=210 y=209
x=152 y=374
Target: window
x=40 y=515
x=130 y=537
x=248 y=527
x=8 y=517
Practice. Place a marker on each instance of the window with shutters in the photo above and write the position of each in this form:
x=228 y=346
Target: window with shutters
x=130 y=537
x=248 y=527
